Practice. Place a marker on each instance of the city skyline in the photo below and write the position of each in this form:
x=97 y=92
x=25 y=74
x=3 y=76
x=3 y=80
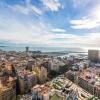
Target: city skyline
x=50 y=23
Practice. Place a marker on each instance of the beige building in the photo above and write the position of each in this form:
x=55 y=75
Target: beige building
x=94 y=55
x=41 y=73
x=41 y=91
x=26 y=80
x=8 y=91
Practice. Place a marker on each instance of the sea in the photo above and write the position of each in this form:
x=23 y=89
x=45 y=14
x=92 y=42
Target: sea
x=43 y=49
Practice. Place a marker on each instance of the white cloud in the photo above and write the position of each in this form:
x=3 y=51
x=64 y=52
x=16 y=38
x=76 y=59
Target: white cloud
x=35 y=9
x=19 y=8
x=53 y=5
x=92 y=20
x=86 y=23
x=80 y=3
x=12 y=29
x=88 y=40
x=17 y=31
x=39 y=33
x=26 y=9
x=58 y=30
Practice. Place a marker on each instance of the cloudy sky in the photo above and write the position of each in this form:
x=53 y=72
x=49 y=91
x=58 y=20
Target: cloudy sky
x=53 y=23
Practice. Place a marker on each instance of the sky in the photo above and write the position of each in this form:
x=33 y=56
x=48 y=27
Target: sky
x=50 y=23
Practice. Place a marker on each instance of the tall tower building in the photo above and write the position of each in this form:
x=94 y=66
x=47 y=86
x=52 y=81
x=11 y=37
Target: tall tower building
x=27 y=49
x=94 y=55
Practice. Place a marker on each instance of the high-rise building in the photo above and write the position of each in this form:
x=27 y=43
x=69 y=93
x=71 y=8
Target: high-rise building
x=94 y=55
x=41 y=73
x=27 y=49
x=8 y=89
x=26 y=80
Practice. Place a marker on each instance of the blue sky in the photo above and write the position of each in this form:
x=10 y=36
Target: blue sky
x=53 y=23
